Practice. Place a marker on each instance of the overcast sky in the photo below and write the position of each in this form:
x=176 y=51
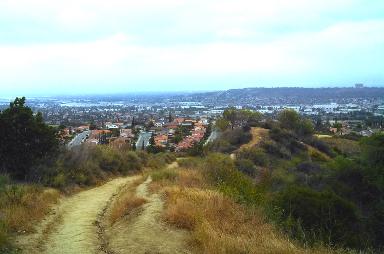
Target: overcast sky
x=114 y=46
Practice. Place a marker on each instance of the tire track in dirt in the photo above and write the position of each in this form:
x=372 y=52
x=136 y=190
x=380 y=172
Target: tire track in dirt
x=77 y=230
x=78 y=224
x=146 y=233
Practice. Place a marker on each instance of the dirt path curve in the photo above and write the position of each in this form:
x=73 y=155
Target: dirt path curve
x=72 y=227
x=146 y=233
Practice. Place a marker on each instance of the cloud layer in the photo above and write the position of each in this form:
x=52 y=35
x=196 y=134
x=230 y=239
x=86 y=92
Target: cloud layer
x=125 y=46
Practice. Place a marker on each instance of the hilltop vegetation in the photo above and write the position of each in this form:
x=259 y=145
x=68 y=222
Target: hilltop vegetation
x=315 y=192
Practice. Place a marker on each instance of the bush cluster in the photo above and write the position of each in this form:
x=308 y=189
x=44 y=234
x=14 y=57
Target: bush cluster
x=230 y=140
x=221 y=171
x=87 y=165
x=318 y=216
x=312 y=194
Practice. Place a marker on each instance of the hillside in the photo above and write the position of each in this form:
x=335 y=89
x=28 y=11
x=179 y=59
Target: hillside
x=323 y=190
x=294 y=95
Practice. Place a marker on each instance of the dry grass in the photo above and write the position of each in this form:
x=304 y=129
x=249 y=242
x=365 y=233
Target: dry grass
x=317 y=155
x=127 y=202
x=177 y=176
x=219 y=225
x=191 y=179
x=30 y=205
x=345 y=146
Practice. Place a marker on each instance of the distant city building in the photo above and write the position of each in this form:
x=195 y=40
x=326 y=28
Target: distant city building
x=359 y=85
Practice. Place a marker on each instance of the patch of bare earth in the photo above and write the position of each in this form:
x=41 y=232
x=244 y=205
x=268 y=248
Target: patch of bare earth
x=257 y=136
x=72 y=226
x=143 y=231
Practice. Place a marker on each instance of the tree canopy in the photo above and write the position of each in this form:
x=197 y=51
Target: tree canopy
x=291 y=120
x=239 y=118
x=25 y=140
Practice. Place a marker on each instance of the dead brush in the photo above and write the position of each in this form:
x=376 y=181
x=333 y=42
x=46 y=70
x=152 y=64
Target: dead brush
x=25 y=206
x=127 y=202
x=219 y=225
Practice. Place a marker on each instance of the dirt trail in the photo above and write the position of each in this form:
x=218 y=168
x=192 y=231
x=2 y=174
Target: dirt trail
x=258 y=134
x=72 y=227
x=145 y=233
x=79 y=224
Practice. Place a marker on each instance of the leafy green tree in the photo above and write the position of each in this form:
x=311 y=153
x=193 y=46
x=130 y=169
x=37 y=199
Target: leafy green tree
x=241 y=118
x=25 y=140
x=254 y=118
x=153 y=148
x=222 y=124
x=289 y=119
x=305 y=128
x=197 y=149
x=231 y=116
x=319 y=124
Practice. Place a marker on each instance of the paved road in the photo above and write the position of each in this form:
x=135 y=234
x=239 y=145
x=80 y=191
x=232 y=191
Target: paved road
x=214 y=135
x=144 y=136
x=79 y=139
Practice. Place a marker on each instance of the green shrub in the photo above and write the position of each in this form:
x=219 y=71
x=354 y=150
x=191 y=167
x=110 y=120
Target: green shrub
x=4 y=241
x=59 y=180
x=220 y=169
x=169 y=158
x=88 y=165
x=190 y=162
x=287 y=139
x=4 y=180
x=109 y=159
x=160 y=160
x=362 y=186
x=320 y=145
x=317 y=156
x=254 y=154
x=373 y=150
x=164 y=174
x=222 y=146
x=230 y=140
x=156 y=161
x=144 y=157
x=131 y=162
x=14 y=193
x=246 y=166
x=313 y=216
x=341 y=146
x=276 y=150
x=291 y=120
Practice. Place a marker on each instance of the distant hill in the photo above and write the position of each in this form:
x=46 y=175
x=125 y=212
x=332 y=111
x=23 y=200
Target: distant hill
x=294 y=95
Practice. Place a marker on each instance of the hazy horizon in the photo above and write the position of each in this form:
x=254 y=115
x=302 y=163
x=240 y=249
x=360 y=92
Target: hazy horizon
x=95 y=47
x=140 y=93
